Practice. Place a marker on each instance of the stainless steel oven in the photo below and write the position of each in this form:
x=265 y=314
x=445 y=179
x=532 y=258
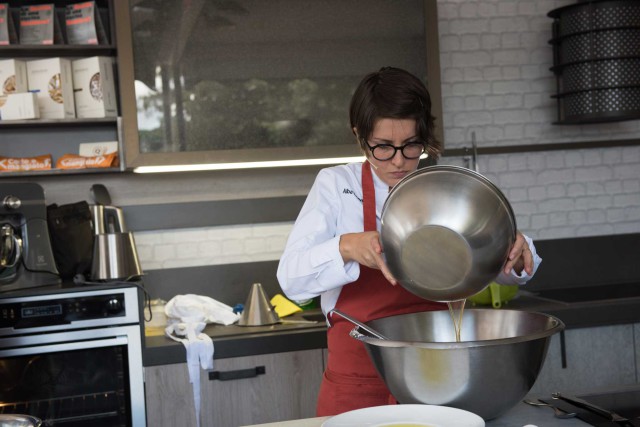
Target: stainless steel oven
x=73 y=357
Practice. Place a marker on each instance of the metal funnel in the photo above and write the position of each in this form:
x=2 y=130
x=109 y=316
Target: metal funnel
x=258 y=311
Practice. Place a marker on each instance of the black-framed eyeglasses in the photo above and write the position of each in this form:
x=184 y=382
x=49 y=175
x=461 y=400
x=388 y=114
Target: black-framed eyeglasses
x=410 y=150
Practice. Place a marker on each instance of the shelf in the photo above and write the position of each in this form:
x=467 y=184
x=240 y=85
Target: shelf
x=60 y=172
x=76 y=51
x=58 y=137
x=531 y=148
x=58 y=122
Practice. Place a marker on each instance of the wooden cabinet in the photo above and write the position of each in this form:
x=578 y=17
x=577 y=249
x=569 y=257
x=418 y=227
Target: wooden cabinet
x=594 y=358
x=30 y=138
x=248 y=390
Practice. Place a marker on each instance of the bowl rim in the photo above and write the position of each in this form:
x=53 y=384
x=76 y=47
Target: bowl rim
x=559 y=326
x=457 y=169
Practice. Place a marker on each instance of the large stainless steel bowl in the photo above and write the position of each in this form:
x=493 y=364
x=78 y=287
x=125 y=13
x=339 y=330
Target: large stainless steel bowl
x=493 y=367
x=446 y=232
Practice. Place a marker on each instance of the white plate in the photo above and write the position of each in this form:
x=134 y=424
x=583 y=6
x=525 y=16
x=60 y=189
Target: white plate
x=411 y=415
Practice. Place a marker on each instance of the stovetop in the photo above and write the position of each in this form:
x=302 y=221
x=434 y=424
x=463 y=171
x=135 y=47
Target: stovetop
x=592 y=293
x=625 y=403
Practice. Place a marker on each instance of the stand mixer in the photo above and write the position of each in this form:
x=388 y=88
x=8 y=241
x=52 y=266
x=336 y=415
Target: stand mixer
x=26 y=256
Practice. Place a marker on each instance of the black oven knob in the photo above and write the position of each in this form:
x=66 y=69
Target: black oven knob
x=114 y=305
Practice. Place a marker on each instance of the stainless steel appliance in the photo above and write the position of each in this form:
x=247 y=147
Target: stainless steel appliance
x=114 y=248
x=421 y=363
x=446 y=232
x=73 y=357
x=26 y=257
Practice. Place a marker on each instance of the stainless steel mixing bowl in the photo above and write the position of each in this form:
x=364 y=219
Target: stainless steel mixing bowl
x=19 y=420
x=446 y=232
x=493 y=367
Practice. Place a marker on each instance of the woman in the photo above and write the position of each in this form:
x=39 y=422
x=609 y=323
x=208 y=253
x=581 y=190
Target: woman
x=334 y=248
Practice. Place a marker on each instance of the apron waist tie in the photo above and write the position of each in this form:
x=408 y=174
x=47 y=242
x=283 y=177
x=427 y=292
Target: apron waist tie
x=351 y=379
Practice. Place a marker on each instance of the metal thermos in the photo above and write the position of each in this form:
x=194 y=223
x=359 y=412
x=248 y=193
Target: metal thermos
x=114 y=249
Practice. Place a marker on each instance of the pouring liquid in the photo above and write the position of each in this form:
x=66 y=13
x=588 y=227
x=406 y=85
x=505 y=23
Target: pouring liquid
x=456 y=308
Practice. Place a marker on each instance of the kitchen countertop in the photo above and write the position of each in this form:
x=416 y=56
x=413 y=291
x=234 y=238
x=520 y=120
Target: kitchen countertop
x=519 y=416
x=237 y=341
x=589 y=309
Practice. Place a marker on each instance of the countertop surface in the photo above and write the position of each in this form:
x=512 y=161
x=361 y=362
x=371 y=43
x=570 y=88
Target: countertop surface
x=519 y=416
x=581 y=307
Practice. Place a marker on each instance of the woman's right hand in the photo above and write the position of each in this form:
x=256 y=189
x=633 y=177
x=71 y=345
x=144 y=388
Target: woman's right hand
x=365 y=248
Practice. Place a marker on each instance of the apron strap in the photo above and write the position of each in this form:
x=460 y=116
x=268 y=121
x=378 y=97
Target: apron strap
x=368 y=198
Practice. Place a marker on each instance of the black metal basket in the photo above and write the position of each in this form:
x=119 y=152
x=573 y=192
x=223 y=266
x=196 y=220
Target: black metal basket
x=610 y=73
x=595 y=45
x=600 y=105
x=588 y=16
x=597 y=61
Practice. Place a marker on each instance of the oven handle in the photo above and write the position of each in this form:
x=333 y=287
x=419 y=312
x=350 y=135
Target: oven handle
x=66 y=346
x=28 y=325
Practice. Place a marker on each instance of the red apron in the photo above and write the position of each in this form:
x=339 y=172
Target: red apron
x=350 y=380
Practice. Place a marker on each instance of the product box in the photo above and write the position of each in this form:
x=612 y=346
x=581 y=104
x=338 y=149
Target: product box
x=52 y=80
x=37 y=24
x=13 y=78
x=89 y=149
x=94 y=88
x=84 y=24
x=20 y=164
x=8 y=33
x=20 y=106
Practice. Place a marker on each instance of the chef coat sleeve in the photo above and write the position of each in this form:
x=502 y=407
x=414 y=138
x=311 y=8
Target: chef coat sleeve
x=514 y=278
x=311 y=263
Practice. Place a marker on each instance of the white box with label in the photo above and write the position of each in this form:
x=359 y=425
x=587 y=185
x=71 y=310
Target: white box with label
x=52 y=80
x=94 y=88
x=90 y=149
x=13 y=78
x=20 y=106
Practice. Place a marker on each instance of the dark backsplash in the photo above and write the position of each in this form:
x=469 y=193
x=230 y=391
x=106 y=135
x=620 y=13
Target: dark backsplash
x=587 y=261
x=567 y=263
x=229 y=284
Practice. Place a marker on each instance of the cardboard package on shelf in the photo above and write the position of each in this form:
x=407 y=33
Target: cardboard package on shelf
x=13 y=78
x=23 y=164
x=52 y=80
x=19 y=106
x=94 y=88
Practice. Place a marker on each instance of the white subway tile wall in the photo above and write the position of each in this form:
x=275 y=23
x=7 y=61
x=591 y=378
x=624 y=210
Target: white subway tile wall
x=211 y=245
x=496 y=83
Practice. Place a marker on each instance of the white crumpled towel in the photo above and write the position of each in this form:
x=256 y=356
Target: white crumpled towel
x=187 y=316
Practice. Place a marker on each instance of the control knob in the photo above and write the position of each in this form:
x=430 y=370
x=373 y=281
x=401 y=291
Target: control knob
x=11 y=202
x=114 y=305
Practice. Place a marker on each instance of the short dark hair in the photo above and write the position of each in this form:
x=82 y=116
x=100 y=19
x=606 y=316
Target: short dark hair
x=395 y=94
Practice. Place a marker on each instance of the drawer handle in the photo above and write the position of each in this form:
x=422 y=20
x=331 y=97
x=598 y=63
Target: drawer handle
x=237 y=375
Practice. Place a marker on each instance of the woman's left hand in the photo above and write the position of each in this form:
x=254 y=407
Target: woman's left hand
x=520 y=256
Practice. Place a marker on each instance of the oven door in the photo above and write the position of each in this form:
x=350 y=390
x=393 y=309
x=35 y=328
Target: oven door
x=75 y=378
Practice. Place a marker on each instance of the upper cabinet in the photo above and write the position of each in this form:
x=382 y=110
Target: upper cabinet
x=55 y=135
x=227 y=81
x=230 y=81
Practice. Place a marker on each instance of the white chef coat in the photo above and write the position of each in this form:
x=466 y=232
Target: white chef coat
x=311 y=264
